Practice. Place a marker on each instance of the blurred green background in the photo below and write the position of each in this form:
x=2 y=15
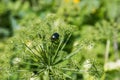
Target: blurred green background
x=95 y=26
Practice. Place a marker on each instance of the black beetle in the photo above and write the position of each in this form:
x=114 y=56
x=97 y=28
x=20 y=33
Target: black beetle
x=54 y=37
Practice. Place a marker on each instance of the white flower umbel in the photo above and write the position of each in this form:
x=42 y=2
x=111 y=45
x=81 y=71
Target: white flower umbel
x=16 y=60
x=90 y=47
x=87 y=65
x=34 y=78
x=109 y=66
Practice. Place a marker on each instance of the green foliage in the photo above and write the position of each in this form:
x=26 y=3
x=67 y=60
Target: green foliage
x=86 y=47
x=40 y=55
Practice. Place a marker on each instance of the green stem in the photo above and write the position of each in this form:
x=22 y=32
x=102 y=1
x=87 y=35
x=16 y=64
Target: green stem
x=107 y=50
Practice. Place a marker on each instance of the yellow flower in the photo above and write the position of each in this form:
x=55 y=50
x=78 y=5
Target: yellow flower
x=66 y=1
x=76 y=1
x=93 y=10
